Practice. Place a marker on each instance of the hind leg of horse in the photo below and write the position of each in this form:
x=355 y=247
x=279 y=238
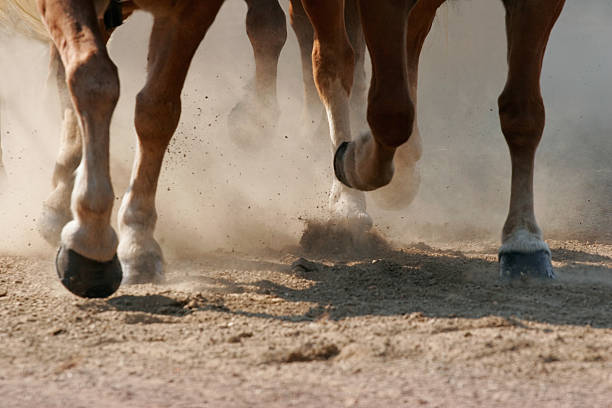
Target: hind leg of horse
x=523 y=252
x=258 y=112
x=367 y=162
x=87 y=263
x=333 y=65
x=402 y=190
x=174 y=40
x=56 y=208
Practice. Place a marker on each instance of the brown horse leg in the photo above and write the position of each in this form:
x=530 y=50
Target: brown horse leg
x=56 y=208
x=367 y=162
x=312 y=112
x=523 y=252
x=258 y=112
x=175 y=38
x=358 y=97
x=87 y=263
x=333 y=64
x=402 y=190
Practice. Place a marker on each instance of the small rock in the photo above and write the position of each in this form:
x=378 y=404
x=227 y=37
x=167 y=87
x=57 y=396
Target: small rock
x=304 y=265
x=57 y=331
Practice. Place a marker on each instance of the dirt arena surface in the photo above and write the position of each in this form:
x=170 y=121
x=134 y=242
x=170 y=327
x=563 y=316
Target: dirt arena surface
x=416 y=326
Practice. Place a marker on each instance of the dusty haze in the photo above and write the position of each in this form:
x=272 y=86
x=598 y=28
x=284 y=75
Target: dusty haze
x=214 y=195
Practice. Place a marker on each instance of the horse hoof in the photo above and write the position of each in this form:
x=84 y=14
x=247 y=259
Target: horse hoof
x=85 y=277
x=523 y=266
x=147 y=268
x=339 y=164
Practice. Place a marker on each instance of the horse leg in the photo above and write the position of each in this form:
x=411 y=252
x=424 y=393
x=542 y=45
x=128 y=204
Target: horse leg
x=312 y=112
x=402 y=190
x=367 y=163
x=358 y=97
x=528 y=23
x=313 y=118
x=56 y=208
x=86 y=262
x=174 y=40
x=259 y=111
x=333 y=64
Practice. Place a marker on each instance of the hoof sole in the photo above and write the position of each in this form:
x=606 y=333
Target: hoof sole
x=339 y=164
x=85 y=277
x=523 y=266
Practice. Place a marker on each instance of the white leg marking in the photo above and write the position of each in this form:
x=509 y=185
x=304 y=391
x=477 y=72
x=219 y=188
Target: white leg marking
x=523 y=241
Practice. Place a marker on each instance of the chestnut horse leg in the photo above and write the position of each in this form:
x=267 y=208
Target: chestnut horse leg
x=312 y=111
x=523 y=252
x=176 y=34
x=258 y=112
x=333 y=63
x=367 y=163
x=87 y=263
x=402 y=190
x=312 y=114
x=56 y=208
x=358 y=99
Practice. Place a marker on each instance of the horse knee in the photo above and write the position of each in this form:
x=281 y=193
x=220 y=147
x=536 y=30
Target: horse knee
x=391 y=119
x=94 y=84
x=522 y=119
x=156 y=116
x=266 y=26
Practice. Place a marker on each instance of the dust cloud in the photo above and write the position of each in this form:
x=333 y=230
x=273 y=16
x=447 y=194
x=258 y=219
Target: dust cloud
x=212 y=194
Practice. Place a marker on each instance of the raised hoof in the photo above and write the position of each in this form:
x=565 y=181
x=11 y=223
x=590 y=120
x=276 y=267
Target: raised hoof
x=339 y=164
x=524 y=266
x=85 y=277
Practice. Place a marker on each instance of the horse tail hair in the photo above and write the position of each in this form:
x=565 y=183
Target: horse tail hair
x=22 y=16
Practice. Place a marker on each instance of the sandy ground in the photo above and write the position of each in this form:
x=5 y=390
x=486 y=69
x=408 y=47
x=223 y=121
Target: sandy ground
x=416 y=326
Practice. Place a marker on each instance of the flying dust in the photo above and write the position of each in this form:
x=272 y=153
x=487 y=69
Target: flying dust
x=212 y=194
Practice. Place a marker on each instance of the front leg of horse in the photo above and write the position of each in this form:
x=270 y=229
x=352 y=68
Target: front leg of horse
x=333 y=63
x=257 y=113
x=523 y=253
x=366 y=163
x=86 y=262
x=402 y=189
x=158 y=107
x=404 y=186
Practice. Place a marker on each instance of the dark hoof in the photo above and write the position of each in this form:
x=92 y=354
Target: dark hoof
x=523 y=266
x=339 y=164
x=85 y=277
